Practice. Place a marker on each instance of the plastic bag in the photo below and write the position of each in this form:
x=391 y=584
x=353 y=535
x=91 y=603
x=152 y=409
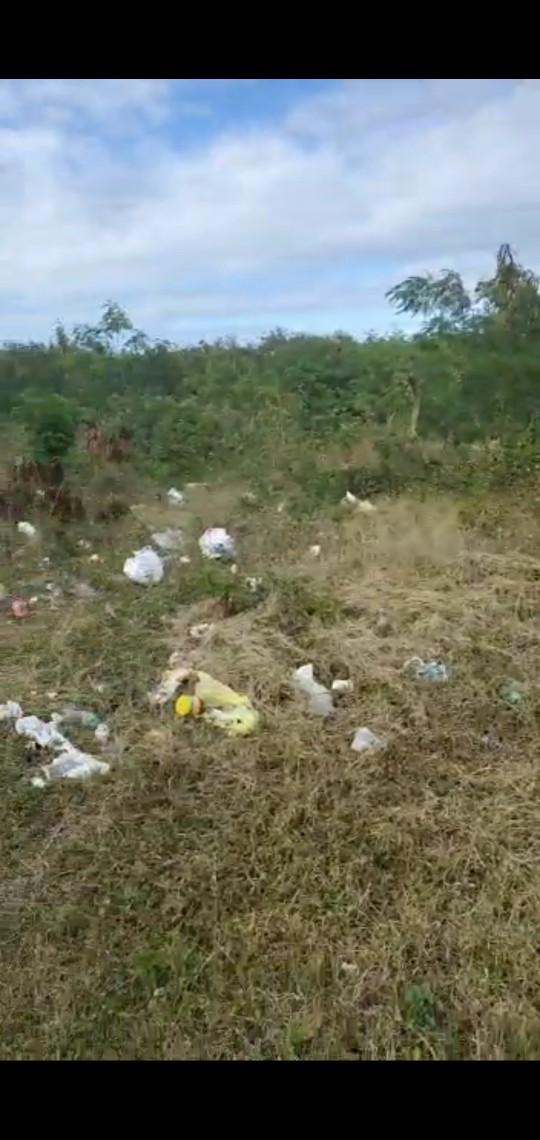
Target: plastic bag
x=176 y=498
x=217 y=543
x=365 y=741
x=145 y=568
x=217 y=703
x=71 y=764
x=320 y=701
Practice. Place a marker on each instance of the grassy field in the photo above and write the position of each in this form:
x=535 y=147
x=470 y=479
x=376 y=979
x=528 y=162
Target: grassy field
x=280 y=896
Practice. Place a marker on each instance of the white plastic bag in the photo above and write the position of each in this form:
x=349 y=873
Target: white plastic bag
x=217 y=543
x=145 y=567
x=27 y=528
x=176 y=498
x=71 y=764
x=320 y=701
x=366 y=741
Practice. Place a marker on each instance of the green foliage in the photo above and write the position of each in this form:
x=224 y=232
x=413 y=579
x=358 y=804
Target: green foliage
x=50 y=424
x=262 y=411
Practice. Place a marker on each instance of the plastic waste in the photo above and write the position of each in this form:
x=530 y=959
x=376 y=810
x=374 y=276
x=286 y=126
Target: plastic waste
x=315 y=551
x=72 y=715
x=217 y=703
x=364 y=740
x=216 y=543
x=10 y=711
x=513 y=693
x=363 y=505
x=43 y=733
x=197 y=632
x=27 y=529
x=20 y=608
x=145 y=568
x=71 y=764
x=320 y=701
x=341 y=687
x=176 y=498
x=428 y=670
x=168 y=539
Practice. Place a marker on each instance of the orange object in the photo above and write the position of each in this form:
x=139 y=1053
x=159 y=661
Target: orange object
x=20 y=608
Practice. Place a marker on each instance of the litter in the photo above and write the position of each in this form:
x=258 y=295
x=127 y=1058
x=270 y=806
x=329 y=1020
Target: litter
x=320 y=701
x=185 y=560
x=315 y=551
x=70 y=763
x=145 y=568
x=85 y=718
x=217 y=703
x=168 y=539
x=362 y=505
x=216 y=543
x=20 y=608
x=10 y=711
x=94 y=558
x=364 y=740
x=176 y=498
x=513 y=693
x=428 y=670
x=341 y=687
x=27 y=529
x=253 y=584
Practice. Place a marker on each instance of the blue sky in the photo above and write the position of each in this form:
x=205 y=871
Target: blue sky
x=215 y=207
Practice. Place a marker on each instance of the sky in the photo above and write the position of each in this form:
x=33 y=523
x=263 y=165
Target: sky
x=230 y=207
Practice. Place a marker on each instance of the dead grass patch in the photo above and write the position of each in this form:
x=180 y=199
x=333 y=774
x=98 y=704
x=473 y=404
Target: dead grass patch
x=281 y=896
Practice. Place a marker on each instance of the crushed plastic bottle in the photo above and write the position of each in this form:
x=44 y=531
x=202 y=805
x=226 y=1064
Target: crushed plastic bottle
x=365 y=741
x=428 y=670
x=320 y=702
x=145 y=568
x=71 y=715
x=216 y=543
x=513 y=694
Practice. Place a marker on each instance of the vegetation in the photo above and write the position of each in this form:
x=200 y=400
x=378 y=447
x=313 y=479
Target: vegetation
x=280 y=896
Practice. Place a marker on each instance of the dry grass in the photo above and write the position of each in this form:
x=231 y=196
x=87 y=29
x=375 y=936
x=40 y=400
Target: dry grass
x=282 y=896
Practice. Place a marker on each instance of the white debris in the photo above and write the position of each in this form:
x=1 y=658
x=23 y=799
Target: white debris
x=145 y=568
x=168 y=539
x=43 y=733
x=362 y=505
x=185 y=560
x=102 y=733
x=253 y=584
x=319 y=698
x=342 y=687
x=10 y=711
x=216 y=543
x=71 y=764
x=94 y=558
x=176 y=498
x=315 y=551
x=366 y=741
x=27 y=528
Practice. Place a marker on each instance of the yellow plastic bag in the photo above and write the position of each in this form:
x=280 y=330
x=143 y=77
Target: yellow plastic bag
x=231 y=711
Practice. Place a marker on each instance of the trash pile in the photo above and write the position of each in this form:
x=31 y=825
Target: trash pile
x=69 y=762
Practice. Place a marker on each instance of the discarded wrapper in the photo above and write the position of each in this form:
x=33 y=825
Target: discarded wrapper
x=217 y=703
x=320 y=701
x=145 y=568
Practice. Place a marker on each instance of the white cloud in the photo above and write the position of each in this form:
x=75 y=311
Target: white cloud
x=341 y=197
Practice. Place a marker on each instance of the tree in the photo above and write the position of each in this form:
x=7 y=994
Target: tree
x=50 y=424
